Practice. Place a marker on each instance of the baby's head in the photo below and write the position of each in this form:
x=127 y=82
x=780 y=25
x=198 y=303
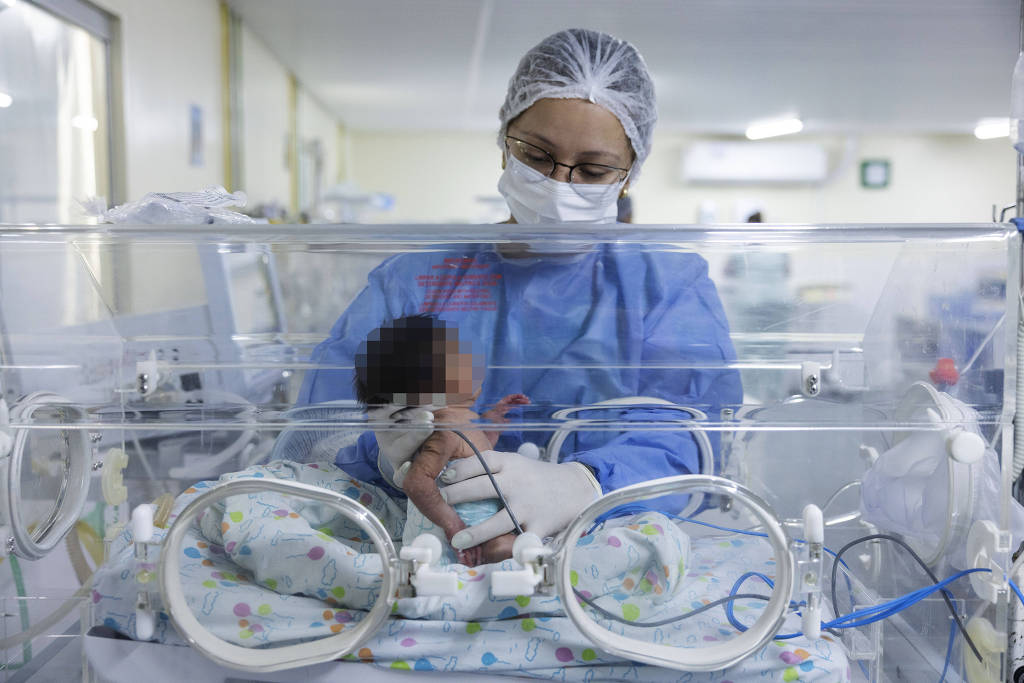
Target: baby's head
x=417 y=360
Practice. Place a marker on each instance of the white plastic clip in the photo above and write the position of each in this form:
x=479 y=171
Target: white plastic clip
x=964 y=446
x=527 y=550
x=148 y=374
x=145 y=623
x=810 y=378
x=142 y=523
x=427 y=579
x=982 y=540
x=961 y=445
x=112 y=479
x=810 y=571
x=869 y=454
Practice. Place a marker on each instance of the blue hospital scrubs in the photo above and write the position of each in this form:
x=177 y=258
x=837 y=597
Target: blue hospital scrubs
x=566 y=331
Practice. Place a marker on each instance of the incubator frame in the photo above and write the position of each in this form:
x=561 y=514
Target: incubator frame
x=74 y=485
x=709 y=658
x=707 y=456
x=289 y=656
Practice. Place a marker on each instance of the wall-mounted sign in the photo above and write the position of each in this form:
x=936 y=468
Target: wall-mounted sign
x=875 y=173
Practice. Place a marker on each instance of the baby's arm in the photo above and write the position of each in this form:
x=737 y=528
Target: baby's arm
x=497 y=413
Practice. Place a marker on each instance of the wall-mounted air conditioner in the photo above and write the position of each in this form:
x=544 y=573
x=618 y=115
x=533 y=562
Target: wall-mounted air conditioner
x=760 y=163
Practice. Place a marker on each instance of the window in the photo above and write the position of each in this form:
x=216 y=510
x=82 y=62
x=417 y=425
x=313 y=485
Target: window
x=54 y=109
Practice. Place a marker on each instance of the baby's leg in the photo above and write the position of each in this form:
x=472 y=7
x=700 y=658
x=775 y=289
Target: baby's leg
x=497 y=549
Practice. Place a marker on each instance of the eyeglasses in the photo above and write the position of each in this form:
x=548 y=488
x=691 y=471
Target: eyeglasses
x=579 y=174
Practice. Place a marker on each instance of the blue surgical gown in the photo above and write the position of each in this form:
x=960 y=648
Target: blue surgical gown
x=566 y=331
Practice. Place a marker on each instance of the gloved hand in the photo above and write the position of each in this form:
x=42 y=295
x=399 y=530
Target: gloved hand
x=397 y=446
x=545 y=497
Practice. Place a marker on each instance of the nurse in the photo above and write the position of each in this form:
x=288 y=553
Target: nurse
x=566 y=323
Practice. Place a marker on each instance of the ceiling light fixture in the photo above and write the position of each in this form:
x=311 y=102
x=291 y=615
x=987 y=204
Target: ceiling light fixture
x=5 y=100
x=989 y=129
x=771 y=129
x=88 y=123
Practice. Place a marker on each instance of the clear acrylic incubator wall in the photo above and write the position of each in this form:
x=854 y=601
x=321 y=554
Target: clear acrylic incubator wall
x=798 y=443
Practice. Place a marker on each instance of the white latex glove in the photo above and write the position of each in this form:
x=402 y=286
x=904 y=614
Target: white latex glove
x=544 y=496
x=397 y=446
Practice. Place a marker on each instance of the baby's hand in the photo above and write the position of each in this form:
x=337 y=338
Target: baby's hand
x=496 y=413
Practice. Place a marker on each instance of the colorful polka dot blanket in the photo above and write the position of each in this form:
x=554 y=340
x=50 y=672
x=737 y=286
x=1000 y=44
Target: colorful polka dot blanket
x=265 y=570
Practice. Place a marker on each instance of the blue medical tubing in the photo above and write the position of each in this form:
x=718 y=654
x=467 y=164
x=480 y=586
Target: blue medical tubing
x=1016 y=590
x=949 y=651
x=870 y=615
x=735 y=587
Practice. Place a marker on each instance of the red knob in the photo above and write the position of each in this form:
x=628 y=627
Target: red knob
x=945 y=372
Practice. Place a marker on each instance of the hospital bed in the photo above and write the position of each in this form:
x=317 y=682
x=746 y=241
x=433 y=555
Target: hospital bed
x=879 y=404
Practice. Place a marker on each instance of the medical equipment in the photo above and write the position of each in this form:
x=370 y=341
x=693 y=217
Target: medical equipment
x=280 y=538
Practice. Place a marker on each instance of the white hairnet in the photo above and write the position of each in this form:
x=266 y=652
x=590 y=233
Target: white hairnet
x=589 y=65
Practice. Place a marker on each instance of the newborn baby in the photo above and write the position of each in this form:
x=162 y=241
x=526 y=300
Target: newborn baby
x=420 y=482
x=419 y=361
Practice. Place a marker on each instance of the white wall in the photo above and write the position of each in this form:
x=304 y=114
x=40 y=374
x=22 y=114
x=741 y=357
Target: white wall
x=171 y=60
x=316 y=125
x=264 y=138
x=434 y=177
x=948 y=178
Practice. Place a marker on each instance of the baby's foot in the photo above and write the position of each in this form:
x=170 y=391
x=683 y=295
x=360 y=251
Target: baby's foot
x=470 y=557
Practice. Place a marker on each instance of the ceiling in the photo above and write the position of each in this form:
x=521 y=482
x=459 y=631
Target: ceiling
x=840 y=65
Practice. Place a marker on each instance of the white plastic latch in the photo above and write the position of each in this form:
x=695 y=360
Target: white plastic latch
x=529 y=551
x=423 y=553
x=142 y=523
x=869 y=454
x=530 y=450
x=981 y=554
x=112 y=479
x=991 y=644
x=961 y=445
x=964 y=446
x=147 y=375
x=145 y=623
x=810 y=571
x=810 y=378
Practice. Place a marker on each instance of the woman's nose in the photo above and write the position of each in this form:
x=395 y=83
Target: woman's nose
x=561 y=172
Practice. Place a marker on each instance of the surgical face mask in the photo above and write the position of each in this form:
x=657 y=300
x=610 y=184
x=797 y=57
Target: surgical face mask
x=535 y=198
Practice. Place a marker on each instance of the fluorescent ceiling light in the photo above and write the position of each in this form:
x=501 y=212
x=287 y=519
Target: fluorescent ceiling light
x=988 y=129
x=5 y=99
x=8 y=3
x=771 y=129
x=88 y=123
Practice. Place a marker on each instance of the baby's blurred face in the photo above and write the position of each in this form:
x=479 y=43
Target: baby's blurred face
x=461 y=387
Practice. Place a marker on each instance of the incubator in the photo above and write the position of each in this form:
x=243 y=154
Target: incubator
x=813 y=483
